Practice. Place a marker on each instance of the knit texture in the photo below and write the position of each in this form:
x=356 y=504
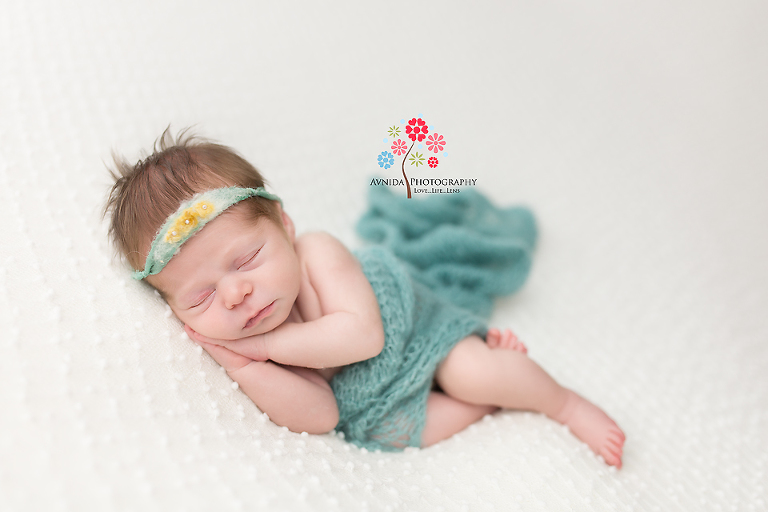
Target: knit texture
x=438 y=266
x=459 y=245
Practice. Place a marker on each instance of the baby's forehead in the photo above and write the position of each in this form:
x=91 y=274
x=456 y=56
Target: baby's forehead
x=224 y=237
x=235 y=216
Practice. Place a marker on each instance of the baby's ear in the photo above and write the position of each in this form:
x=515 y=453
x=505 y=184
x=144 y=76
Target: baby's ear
x=287 y=224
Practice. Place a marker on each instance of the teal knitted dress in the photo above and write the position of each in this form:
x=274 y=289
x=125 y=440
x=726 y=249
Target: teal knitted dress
x=435 y=267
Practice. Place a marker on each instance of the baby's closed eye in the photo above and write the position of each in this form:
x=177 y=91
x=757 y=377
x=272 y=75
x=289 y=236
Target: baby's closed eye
x=202 y=299
x=250 y=260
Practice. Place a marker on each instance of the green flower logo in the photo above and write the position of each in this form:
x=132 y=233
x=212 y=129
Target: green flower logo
x=416 y=159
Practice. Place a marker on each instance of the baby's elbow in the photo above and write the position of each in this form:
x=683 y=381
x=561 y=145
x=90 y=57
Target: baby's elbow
x=324 y=422
x=331 y=421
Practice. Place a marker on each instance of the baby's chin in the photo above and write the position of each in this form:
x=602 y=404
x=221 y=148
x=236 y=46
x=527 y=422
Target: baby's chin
x=219 y=334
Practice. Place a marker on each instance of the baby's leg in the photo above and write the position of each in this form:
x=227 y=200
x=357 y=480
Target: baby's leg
x=447 y=416
x=507 y=339
x=475 y=373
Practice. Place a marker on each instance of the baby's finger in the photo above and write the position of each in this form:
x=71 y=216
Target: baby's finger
x=199 y=338
x=252 y=347
x=193 y=335
x=229 y=360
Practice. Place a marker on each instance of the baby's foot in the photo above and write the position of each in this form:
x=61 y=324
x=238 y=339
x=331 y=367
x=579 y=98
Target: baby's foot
x=590 y=424
x=507 y=339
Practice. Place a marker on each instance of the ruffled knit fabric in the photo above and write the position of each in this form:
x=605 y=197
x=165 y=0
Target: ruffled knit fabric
x=437 y=267
x=461 y=246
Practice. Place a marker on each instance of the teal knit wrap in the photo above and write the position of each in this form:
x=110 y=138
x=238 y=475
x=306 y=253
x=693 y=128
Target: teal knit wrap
x=460 y=246
x=438 y=266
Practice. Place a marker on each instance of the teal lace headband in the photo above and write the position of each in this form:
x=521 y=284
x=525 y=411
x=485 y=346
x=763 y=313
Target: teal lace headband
x=189 y=219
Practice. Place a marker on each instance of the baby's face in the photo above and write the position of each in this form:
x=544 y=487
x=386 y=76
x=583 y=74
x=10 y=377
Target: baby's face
x=233 y=279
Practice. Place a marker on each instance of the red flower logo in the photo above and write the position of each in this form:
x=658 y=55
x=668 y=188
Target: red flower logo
x=435 y=142
x=399 y=147
x=432 y=162
x=417 y=129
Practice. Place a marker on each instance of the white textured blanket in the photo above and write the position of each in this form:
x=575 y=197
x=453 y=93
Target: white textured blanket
x=636 y=132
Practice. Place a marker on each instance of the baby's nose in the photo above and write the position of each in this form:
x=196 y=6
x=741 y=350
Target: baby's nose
x=235 y=292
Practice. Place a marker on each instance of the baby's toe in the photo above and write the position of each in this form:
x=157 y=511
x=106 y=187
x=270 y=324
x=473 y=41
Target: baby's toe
x=514 y=343
x=612 y=458
x=613 y=450
x=616 y=436
x=614 y=445
x=493 y=337
x=508 y=339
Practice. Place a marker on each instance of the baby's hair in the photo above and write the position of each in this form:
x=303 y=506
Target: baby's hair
x=145 y=194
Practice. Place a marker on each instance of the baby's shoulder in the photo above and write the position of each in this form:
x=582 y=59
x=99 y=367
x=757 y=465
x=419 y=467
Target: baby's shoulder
x=314 y=238
x=319 y=247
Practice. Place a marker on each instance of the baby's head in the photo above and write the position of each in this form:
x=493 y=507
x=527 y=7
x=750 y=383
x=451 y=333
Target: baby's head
x=218 y=199
x=146 y=194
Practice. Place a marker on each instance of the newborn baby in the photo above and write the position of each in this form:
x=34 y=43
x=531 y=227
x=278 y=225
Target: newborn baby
x=318 y=338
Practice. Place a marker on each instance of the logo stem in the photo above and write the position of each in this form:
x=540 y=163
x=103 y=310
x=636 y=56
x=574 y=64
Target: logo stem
x=407 y=185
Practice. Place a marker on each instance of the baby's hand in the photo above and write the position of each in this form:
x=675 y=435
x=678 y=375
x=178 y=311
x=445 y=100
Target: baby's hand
x=231 y=354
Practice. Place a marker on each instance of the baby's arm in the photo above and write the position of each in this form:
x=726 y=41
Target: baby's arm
x=349 y=328
x=292 y=397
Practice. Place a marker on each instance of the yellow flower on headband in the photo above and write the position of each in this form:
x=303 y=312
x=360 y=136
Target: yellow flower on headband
x=188 y=220
x=203 y=209
x=183 y=225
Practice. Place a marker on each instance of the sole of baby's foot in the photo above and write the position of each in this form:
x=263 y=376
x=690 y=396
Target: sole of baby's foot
x=590 y=424
x=505 y=340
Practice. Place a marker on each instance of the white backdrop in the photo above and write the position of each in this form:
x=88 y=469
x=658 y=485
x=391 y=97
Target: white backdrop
x=636 y=132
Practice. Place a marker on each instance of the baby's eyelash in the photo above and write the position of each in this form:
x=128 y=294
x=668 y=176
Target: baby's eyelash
x=200 y=302
x=251 y=258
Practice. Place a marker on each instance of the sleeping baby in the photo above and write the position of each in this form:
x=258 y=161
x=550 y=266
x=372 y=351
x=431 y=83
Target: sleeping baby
x=319 y=338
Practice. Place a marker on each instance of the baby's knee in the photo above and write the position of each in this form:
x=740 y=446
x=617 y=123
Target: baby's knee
x=467 y=370
x=466 y=355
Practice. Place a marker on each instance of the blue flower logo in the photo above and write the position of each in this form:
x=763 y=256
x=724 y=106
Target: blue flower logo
x=386 y=160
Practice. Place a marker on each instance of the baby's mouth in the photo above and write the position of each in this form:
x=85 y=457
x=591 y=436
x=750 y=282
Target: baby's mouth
x=261 y=314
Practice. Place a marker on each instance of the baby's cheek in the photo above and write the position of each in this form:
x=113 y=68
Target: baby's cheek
x=211 y=328
x=195 y=324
